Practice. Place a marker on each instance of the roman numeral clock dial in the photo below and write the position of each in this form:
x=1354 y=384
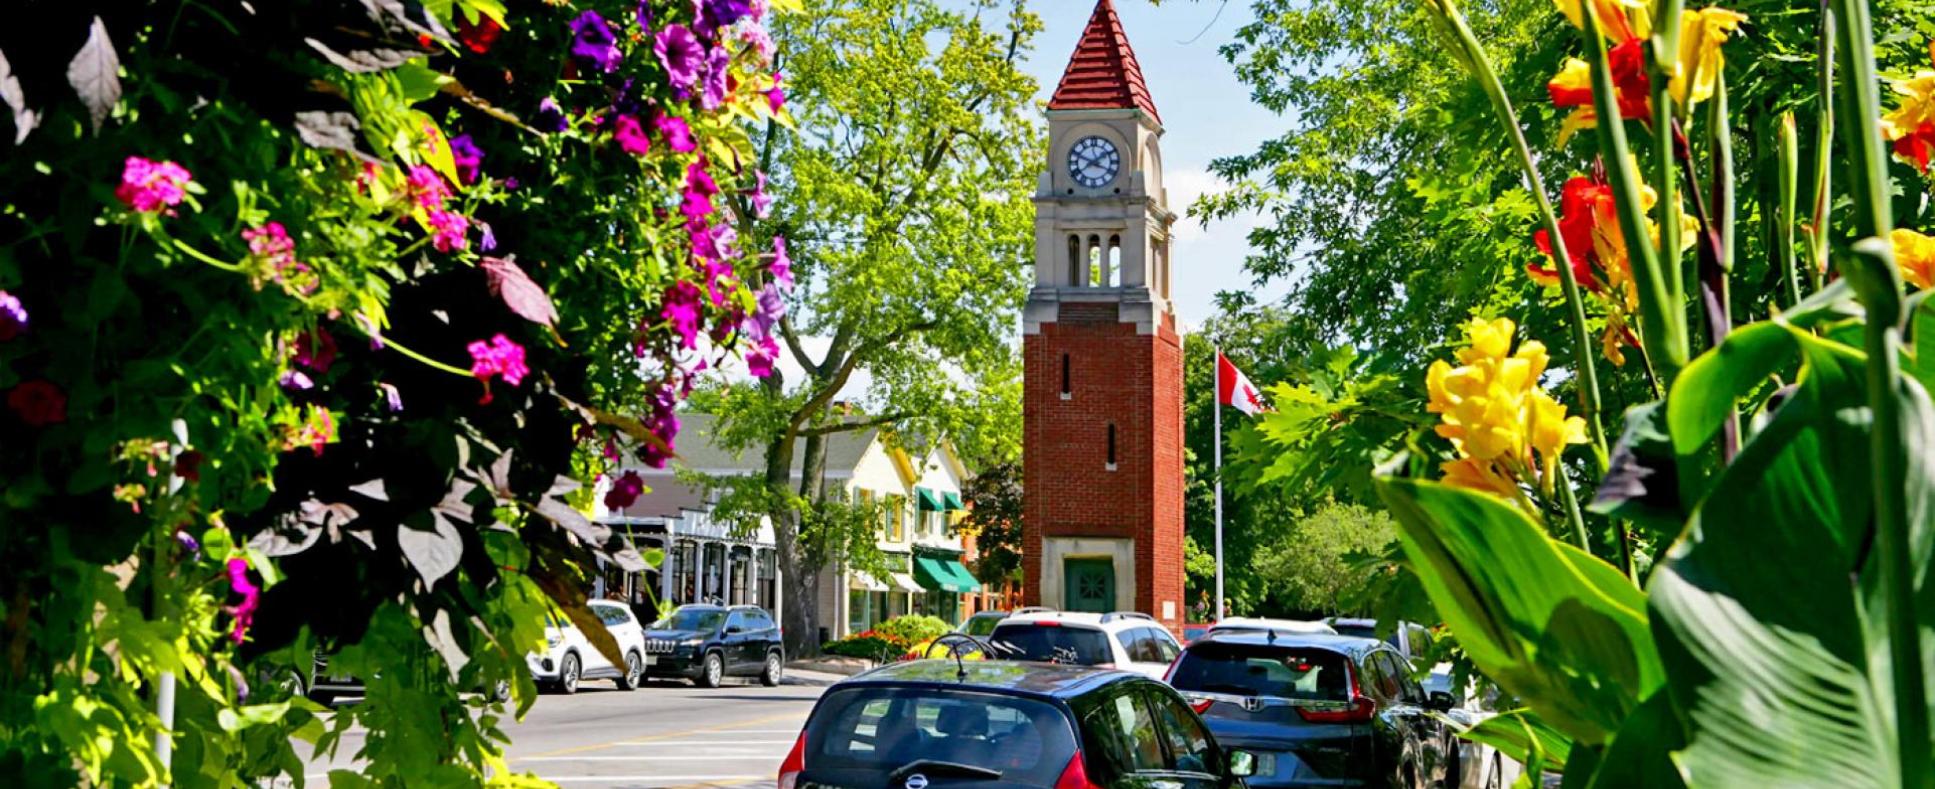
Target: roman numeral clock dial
x=1093 y=162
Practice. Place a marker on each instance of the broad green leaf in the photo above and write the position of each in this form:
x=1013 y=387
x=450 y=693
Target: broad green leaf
x=1641 y=753
x=1642 y=483
x=1707 y=391
x=1920 y=362
x=1518 y=733
x=1554 y=626
x=252 y=715
x=1765 y=610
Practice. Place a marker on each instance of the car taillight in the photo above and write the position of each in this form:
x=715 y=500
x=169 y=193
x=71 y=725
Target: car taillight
x=789 y=770
x=1360 y=710
x=1048 y=623
x=1201 y=705
x=1074 y=776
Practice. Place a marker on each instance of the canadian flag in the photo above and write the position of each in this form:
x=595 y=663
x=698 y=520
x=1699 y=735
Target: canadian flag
x=1234 y=389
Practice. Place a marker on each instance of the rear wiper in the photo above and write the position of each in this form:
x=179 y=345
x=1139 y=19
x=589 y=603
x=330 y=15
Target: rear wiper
x=1234 y=690
x=938 y=766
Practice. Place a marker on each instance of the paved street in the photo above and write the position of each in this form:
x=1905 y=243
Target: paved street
x=662 y=735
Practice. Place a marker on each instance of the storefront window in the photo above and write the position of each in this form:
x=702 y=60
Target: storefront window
x=858 y=605
x=684 y=580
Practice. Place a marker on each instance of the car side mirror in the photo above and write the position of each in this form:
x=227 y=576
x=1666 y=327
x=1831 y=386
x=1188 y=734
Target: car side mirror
x=731 y=629
x=1439 y=701
x=1242 y=763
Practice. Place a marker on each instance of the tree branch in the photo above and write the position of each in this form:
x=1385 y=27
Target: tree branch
x=842 y=427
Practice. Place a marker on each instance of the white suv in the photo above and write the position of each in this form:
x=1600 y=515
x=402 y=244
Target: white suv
x=569 y=657
x=1125 y=640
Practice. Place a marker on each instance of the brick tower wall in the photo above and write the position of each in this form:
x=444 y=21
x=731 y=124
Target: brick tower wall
x=1135 y=381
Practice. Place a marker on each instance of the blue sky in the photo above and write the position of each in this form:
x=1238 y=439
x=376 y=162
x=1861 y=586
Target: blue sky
x=1206 y=114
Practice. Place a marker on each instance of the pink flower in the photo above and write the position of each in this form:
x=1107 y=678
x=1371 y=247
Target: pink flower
x=678 y=51
x=317 y=430
x=427 y=188
x=148 y=185
x=244 y=612
x=499 y=357
x=13 y=316
x=678 y=136
x=776 y=95
x=624 y=490
x=316 y=350
x=448 y=229
x=630 y=136
x=759 y=361
x=699 y=189
x=682 y=311
x=762 y=203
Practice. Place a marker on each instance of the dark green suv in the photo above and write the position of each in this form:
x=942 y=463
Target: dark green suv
x=707 y=643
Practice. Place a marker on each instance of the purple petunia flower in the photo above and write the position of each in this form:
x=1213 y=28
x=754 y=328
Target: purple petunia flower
x=550 y=117
x=13 y=316
x=678 y=51
x=762 y=203
x=776 y=95
x=699 y=189
x=469 y=158
x=448 y=230
x=391 y=397
x=296 y=381
x=678 y=135
x=499 y=357
x=488 y=242
x=644 y=14
x=760 y=41
x=631 y=136
x=782 y=266
x=682 y=311
x=594 y=43
x=624 y=490
x=716 y=14
x=771 y=307
x=759 y=361
x=244 y=612
x=187 y=542
x=718 y=63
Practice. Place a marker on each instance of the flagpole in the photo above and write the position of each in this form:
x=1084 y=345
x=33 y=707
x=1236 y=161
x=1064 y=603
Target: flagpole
x=1218 y=396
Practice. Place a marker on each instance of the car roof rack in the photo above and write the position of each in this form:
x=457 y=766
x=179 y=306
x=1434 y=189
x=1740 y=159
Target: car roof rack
x=1114 y=615
x=1033 y=609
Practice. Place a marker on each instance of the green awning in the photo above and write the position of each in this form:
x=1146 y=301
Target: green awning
x=929 y=500
x=944 y=575
x=952 y=500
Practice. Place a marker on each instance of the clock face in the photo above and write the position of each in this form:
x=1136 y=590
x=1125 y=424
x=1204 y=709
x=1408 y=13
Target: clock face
x=1093 y=162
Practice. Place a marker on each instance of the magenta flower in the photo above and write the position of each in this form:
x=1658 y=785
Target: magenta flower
x=714 y=242
x=776 y=95
x=427 y=188
x=771 y=307
x=678 y=135
x=762 y=203
x=681 y=310
x=469 y=158
x=270 y=244
x=499 y=357
x=244 y=612
x=550 y=117
x=759 y=361
x=718 y=63
x=715 y=14
x=782 y=265
x=315 y=350
x=678 y=51
x=148 y=185
x=296 y=381
x=448 y=230
x=624 y=490
x=631 y=136
x=760 y=41
x=594 y=43
x=699 y=189
x=13 y=316
x=718 y=281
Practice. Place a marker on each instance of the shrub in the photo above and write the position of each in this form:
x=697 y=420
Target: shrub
x=913 y=629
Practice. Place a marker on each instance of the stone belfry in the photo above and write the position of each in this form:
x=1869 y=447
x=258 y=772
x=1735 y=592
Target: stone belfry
x=1102 y=525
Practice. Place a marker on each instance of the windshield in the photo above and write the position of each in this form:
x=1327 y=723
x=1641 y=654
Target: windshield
x=1246 y=670
x=1050 y=643
x=979 y=625
x=701 y=619
x=874 y=731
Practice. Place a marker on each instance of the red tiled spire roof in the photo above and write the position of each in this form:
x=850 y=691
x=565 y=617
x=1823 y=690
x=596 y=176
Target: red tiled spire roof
x=1103 y=74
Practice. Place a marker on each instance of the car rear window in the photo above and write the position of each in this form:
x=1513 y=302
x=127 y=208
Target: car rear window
x=1355 y=631
x=876 y=730
x=1248 y=670
x=1051 y=642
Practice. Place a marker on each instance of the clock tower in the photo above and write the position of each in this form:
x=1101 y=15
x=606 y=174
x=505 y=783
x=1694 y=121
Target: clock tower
x=1102 y=524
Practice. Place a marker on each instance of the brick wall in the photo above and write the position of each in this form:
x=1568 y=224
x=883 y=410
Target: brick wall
x=1135 y=382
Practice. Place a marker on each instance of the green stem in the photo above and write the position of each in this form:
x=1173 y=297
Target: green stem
x=392 y=344
x=1479 y=65
x=1662 y=303
x=1790 y=165
x=1823 y=150
x=1572 y=514
x=199 y=255
x=1877 y=281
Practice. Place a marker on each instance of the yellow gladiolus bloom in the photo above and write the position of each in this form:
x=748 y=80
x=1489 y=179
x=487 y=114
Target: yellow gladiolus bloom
x=1915 y=254
x=1701 y=34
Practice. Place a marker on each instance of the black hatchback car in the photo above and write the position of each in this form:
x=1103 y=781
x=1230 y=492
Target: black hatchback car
x=1316 y=710
x=707 y=643
x=935 y=724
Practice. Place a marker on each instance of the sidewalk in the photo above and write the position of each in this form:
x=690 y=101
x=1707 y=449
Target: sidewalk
x=821 y=672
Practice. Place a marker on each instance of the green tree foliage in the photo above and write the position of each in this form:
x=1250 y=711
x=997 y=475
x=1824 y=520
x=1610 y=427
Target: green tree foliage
x=1319 y=565
x=994 y=516
x=905 y=201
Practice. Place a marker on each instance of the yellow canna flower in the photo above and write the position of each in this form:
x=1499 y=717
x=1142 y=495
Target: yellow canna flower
x=1701 y=34
x=1619 y=20
x=1912 y=125
x=1915 y=254
x=1489 y=339
x=1478 y=475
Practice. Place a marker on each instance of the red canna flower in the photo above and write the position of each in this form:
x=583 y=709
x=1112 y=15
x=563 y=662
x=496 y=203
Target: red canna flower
x=479 y=37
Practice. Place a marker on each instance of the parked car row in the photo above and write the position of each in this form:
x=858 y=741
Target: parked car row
x=1108 y=700
x=703 y=644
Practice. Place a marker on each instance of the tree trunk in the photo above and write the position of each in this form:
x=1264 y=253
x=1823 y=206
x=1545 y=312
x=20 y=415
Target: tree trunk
x=800 y=583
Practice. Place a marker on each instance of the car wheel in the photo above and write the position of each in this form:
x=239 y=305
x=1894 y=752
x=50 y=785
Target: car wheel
x=713 y=671
x=568 y=675
x=774 y=669
x=1495 y=777
x=634 y=672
